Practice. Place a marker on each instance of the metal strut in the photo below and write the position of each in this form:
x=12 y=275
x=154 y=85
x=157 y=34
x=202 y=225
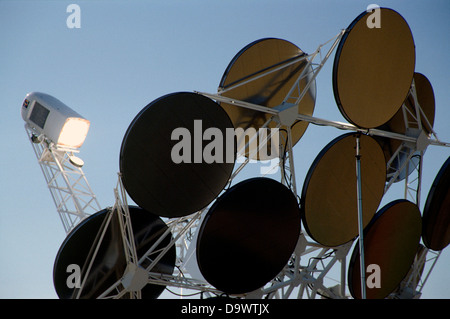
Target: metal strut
x=68 y=186
x=360 y=218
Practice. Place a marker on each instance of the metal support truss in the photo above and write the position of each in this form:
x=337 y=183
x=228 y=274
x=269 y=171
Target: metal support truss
x=132 y=271
x=287 y=162
x=421 y=262
x=408 y=158
x=307 y=279
x=309 y=270
x=140 y=270
x=134 y=277
x=411 y=287
x=69 y=188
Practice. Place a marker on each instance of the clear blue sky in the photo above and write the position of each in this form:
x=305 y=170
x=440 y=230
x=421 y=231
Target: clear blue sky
x=128 y=53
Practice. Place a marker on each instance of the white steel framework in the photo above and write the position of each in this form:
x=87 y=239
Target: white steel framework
x=309 y=278
x=308 y=272
x=69 y=188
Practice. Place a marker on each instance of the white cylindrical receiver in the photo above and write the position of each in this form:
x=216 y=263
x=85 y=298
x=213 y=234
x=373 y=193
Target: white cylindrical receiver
x=52 y=118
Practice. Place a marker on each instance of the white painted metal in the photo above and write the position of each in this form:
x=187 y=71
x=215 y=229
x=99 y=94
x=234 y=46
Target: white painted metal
x=308 y=272
x=360 y=219
x=69 y=188
x=306 y=279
